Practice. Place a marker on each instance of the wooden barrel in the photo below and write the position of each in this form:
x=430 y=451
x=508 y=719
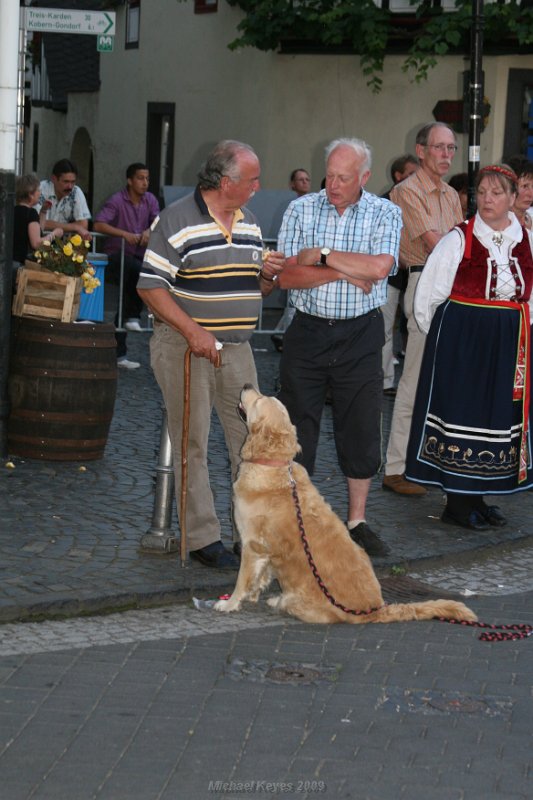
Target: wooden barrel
x=62 y=388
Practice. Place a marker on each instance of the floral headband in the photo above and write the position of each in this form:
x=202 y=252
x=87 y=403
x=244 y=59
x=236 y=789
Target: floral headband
x=506 y=171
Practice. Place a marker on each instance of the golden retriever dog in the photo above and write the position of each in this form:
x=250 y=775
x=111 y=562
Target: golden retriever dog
x=266 y=516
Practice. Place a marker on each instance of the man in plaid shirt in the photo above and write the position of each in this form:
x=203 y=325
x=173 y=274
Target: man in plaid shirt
x=341 y=246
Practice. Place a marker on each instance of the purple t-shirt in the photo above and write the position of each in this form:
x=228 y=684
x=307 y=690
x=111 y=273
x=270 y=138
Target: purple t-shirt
x=120 y=212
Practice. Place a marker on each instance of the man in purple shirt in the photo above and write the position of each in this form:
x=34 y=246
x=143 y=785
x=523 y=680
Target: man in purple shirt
x=128 y=215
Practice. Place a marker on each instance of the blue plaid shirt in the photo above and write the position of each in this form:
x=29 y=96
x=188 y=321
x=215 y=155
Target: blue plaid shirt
x=372 y=226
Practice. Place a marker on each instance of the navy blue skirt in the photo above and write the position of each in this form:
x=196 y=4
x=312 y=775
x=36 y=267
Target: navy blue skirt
x=466 y=428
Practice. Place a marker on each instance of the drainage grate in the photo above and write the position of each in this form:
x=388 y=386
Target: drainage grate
x=293 y=673
x=288 y=673
x=402 y=589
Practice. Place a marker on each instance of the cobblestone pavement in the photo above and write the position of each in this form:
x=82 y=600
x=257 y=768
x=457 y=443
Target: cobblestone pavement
x=70 y=539
x=169 y=622
x=507 y=569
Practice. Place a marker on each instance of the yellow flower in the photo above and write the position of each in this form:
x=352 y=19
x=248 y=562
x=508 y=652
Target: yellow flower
x=87 y=244
x=66 y=257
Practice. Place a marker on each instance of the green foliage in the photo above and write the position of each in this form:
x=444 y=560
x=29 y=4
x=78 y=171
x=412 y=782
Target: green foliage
x=398 y=570
x=361 y=27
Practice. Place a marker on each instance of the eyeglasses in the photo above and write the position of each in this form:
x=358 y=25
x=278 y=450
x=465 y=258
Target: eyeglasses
x=444 y=148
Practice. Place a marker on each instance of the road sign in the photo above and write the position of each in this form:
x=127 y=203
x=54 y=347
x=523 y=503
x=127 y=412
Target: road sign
x=62 y=20
x=104 y=43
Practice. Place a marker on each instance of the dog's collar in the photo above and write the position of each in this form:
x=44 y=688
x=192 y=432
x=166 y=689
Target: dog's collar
x=267 y=462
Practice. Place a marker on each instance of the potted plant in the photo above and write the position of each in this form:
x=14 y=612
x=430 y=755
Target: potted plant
x=51 y=285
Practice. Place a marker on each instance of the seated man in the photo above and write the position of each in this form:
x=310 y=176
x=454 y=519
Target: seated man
x=62 y=204
x=127 y=215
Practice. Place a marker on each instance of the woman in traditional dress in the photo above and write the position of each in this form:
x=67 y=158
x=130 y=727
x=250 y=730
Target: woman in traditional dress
x=470 y=431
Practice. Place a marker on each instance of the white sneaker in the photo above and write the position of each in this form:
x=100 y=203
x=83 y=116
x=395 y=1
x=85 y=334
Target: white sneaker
x=125 y=363
x=133 y=325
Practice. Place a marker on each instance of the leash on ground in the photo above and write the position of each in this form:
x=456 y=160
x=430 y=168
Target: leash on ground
x=498 y=633
x=185 y=446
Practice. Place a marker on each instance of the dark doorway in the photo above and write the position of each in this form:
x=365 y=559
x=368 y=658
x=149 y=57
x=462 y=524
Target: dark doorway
x=518 y=139
x=160 y=146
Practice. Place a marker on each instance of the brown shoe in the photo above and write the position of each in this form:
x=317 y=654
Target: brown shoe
x=400 y=485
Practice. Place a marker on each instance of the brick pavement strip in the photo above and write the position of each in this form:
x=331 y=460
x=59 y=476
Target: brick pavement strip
x=397 y=712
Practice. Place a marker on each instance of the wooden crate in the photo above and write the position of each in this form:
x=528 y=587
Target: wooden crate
x=42 y=293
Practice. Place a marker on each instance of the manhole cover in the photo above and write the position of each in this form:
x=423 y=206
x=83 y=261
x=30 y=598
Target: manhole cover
x=458 y=705
x=426 y=701
x=287 y=673
x=402 y=589
x=275 y=672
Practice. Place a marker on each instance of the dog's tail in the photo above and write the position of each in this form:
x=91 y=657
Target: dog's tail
x=430 y=609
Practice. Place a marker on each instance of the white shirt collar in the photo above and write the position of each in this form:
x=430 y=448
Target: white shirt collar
x=512 y=234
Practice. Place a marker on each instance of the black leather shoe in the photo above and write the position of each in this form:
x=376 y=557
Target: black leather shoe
x=215 y=555
x=368 y=540
x=494 y=516
x=475 y=521
x=237 y=549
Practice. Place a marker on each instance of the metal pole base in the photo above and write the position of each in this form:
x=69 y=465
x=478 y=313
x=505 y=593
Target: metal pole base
x=159 y=538
x=159 y=543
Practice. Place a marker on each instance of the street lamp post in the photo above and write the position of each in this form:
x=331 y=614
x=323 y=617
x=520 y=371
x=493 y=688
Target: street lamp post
x=475 y=101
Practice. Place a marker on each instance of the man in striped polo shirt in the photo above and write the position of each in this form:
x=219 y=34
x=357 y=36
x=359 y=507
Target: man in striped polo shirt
x=203 y=277
x=430 y=208
x=341 y=245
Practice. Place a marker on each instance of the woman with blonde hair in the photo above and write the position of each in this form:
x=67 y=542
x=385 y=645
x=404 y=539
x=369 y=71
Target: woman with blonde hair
x=26 y=224
x=470 y=433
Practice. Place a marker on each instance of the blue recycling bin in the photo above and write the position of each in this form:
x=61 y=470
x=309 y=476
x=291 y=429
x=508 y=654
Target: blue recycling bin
x=92 y=305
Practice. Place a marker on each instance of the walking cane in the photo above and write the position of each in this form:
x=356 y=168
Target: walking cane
x=184 y=451
x=185 y=447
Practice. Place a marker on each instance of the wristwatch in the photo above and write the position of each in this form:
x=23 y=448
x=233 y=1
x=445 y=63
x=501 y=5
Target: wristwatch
x=324 y=253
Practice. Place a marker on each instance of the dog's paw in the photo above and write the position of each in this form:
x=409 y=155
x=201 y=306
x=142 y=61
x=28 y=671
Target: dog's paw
x=226 y=605
x=274 y=602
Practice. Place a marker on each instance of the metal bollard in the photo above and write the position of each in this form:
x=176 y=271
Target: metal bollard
x=159 y=536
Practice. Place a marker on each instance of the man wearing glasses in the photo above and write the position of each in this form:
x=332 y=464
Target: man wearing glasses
x=430 y=208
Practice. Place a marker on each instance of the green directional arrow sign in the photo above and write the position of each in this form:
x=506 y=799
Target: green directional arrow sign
x=64 y=20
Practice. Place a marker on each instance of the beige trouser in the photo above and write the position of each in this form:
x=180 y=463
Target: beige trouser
x=211 y=387
x=389 y=315
x=405 y=395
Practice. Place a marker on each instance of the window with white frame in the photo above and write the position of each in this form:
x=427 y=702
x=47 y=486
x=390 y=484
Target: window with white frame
x=133 y=23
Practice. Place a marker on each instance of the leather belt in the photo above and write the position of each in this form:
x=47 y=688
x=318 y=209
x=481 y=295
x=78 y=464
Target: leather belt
x=416 y=268
x=332 y=321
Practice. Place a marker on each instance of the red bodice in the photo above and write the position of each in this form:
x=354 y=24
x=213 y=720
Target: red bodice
x=476 y=275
